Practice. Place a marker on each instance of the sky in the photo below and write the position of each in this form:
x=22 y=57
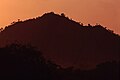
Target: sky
x=104 y=12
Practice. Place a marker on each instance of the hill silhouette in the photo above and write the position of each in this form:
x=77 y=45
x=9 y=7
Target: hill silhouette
x=64 y=41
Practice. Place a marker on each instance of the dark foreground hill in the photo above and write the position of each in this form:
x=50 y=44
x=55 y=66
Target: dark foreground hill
x=21 y=62
x=65 y=41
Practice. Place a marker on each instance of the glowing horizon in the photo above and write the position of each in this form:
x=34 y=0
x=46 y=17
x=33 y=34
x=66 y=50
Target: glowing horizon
x=103 y=12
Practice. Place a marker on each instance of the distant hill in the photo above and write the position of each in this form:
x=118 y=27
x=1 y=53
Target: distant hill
x=64 y=41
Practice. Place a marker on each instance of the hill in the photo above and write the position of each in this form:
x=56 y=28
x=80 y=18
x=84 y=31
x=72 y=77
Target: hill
x=64 y=41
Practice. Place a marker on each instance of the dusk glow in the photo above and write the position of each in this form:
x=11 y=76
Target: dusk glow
x=104 y=12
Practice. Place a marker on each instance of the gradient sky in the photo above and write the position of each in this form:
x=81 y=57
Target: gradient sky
x=104 y=12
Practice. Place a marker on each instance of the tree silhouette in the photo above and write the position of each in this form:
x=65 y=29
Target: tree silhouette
x=62 y=14
x=26 y=63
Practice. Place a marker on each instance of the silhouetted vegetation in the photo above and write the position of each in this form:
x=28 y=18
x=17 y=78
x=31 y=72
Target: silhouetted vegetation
x=22 y=62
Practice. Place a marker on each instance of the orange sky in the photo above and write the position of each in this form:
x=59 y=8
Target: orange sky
x=104 y=12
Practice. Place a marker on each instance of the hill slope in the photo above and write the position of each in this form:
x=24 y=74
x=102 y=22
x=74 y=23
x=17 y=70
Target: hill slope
x=65 y=41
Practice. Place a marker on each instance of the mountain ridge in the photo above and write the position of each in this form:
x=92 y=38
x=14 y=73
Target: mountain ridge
x=65 y=41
